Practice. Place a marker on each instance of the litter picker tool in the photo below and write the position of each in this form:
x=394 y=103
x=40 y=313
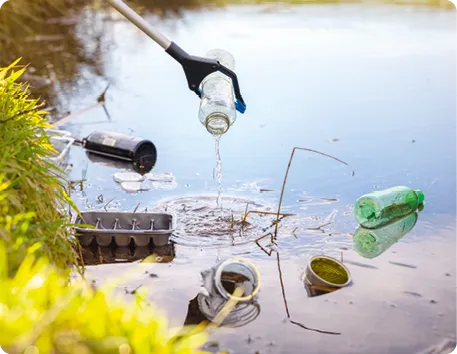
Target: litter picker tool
x=195 y=68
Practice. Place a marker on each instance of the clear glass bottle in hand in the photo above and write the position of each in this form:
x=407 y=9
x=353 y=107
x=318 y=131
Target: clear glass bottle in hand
x=217 y=107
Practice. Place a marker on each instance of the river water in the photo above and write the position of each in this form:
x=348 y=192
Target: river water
x=371 y=85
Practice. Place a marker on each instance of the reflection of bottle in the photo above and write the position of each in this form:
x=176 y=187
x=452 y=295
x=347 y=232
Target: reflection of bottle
x=370 y=243
x=143 y=165
x=217 y=107
x=381 y=207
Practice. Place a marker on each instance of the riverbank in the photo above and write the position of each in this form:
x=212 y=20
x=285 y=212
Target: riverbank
x=38 y=254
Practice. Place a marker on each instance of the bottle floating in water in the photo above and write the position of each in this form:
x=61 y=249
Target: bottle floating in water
x=217 y=107
x=122 y=147
x=371 y=243
x=381 y=207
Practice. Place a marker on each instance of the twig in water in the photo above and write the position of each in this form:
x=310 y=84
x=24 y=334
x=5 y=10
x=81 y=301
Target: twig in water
x=106 y=112
x=136 y=208
x=313 y=329
x=108 y=204
x=133 y=292
x=245 y=215
x=101 y=98
x=319 y=228
x=80 y=182
x=100 y=102
x=261 y=247
x=293 y=232
x=287 y=307
x=282 y=286
x=232 y=222
x=263 y=213
x=100 y=257
x=80 y=251
x=73 y=115
x=287 y=174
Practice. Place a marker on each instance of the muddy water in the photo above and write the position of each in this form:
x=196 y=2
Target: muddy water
x=372 y=85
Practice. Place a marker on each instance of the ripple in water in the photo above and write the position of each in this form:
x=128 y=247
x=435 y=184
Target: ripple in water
x=199 y=221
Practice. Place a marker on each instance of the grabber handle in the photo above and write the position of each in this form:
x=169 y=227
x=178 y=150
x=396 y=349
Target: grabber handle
x=141 y=23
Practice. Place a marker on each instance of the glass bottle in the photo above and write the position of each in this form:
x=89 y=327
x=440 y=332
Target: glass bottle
x=217 y=107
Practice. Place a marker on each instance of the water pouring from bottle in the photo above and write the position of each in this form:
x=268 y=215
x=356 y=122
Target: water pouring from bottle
x=217 y=106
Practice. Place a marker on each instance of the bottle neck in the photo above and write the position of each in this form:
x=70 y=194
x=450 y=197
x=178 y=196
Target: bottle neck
x=420 y=196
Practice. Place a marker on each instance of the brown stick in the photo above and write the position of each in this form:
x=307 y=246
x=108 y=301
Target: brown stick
x=100 y=102
x=73 y=115
x=282 y=286
x=287 y=307
x=263 y=213
x=287 y=174
x=261 y=247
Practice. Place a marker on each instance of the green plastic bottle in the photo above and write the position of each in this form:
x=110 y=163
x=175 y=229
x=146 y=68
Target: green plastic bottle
x=379 y=208
x=371 y=243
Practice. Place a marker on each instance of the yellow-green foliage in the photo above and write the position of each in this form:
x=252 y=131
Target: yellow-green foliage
x=32 y=193
x=41 y=311
x=39 y=308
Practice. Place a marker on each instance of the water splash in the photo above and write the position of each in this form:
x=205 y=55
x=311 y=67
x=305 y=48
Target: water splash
x=217 y=140
x=203 y=224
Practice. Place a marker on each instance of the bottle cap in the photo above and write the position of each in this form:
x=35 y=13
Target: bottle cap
x=420 y=196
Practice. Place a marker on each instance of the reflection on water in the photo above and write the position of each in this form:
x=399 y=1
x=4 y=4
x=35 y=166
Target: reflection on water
x=371 y=243
x=375 y=86
x=95 y=255
x=146 y=164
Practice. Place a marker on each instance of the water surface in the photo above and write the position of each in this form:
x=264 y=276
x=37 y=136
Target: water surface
x=371 y=85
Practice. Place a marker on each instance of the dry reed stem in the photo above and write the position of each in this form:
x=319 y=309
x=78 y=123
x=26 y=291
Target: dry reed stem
x=263 y=213
x=261 y=247
x=100 y=102
x=287 y=174
x=287 y=307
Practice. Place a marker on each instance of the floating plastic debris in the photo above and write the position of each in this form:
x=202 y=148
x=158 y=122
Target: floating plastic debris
x=122 y=177
x=134 y=182
x=132 y=187
x=164 y=185
x=162 y=180
x=379 y=208
x=161 y=177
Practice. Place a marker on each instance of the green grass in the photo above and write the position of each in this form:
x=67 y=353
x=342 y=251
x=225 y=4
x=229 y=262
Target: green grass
x=32 y=190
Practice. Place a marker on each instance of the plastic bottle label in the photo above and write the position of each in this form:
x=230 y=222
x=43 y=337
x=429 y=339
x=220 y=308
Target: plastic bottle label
x=109 y=142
